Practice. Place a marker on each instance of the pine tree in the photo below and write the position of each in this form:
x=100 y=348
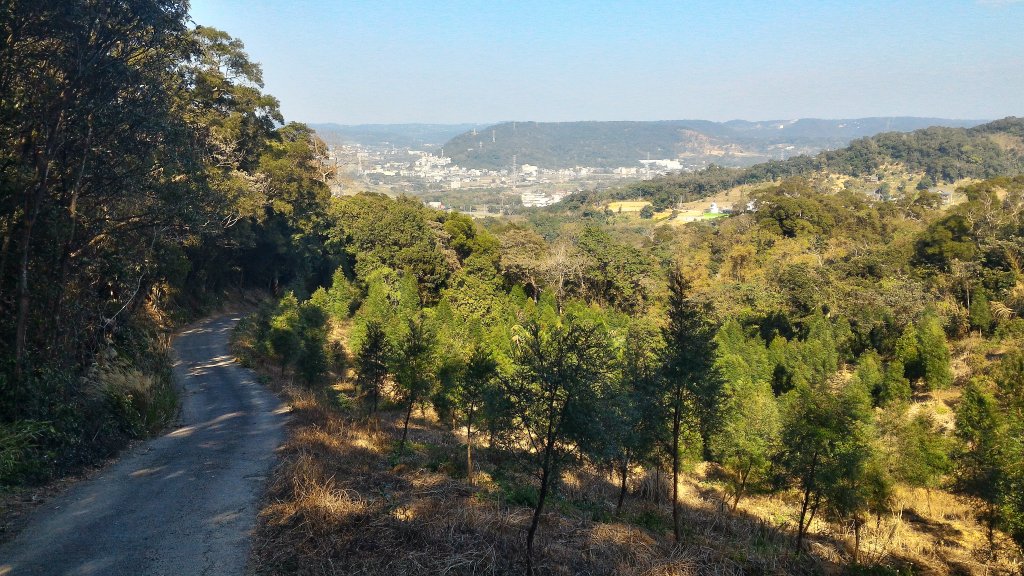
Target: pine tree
x=689 y=385
x=372 y=365
x=934 y=353
x=981 y=429
x=414 y=370
x=749 y=435
x=478 y=377
x=560 y=372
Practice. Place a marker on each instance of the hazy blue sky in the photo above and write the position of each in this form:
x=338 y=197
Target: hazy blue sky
x=435 y=61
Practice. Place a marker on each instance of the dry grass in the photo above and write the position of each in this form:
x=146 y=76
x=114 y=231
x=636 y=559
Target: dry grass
x=628 y=205
x=342 y=502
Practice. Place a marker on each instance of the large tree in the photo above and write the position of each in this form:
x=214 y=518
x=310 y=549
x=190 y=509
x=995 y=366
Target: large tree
x=560 y=369
x=689 y=384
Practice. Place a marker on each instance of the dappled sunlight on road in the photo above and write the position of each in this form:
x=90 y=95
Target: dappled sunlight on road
x=218 y=362
x=182 y=503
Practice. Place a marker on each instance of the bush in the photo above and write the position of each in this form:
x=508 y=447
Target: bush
x=22 y=452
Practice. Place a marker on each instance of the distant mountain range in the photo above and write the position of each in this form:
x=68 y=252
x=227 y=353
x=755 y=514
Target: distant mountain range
x=391 y=135
x=694 y=143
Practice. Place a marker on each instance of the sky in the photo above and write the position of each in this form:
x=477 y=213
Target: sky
x=436 y=61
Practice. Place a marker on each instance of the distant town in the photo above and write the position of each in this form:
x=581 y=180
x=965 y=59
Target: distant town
x=433 y=176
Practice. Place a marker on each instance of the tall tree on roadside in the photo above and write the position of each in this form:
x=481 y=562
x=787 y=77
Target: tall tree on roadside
x=689 y=383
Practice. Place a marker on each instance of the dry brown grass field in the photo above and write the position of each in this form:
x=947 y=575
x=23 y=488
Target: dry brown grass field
x=342 y=501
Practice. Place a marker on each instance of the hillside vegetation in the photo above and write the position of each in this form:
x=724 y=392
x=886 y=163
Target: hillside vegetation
x=827 y=383
x=612 y=144
x=934 y=155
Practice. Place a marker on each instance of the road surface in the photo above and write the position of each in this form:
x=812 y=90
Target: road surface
x=184 y=503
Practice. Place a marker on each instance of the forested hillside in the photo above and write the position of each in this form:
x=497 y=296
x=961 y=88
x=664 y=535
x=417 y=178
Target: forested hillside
x=612 y=144
x=144 y=173
x=809 y=376
x=940 y=155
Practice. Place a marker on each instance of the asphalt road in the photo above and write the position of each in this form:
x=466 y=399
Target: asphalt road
x=184 y=503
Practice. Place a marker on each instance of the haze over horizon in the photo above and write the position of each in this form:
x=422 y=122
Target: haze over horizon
x=406 y=62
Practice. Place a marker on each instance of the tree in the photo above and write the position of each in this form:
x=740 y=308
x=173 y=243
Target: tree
x=980 y=313
x=631 y=408
x=312 y=360
x=749 y=435
x=414 y=369
x=921 y=453
x=923 y=351
x=372 y=363
x=647 y=212
x=285 y=340
x=689 y=385
x=826 y=444
x=895 y=387
x=934 y=354
x=478 y=377
x=980 y=428
x=559 y=370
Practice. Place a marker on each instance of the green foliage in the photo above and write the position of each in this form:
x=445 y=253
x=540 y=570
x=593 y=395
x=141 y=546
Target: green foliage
x=980 y=312
x=829 y=452
x=414 y=367
x=980 y=428
x=923 y=351
x=946 y=240
x=749 y=435
x=561 y=372
x=922 y=455
x=372 y=365
x=895 y=387
x=934 y=354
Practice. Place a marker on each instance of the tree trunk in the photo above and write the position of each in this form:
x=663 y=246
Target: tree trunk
x=856 y=542
x=23 y=303
x=545 y=479
x=805 y=522
x=33 y=204
x=405 y=428
x=803 y=517
x=3 y=257
x=469 y=447
x=624 y=475
x=676 y=424
x=740 y=488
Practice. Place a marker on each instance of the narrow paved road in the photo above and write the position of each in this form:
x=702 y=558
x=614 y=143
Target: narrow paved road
x=184 y=503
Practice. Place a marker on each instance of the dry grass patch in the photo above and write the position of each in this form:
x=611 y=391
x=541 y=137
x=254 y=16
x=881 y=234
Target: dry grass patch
x=343 y=502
